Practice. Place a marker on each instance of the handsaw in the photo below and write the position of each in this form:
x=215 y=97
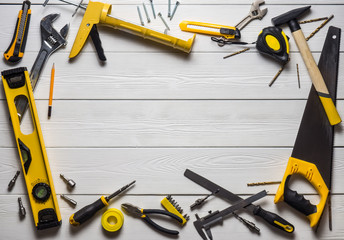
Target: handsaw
x=312 y=152
x=256 y=210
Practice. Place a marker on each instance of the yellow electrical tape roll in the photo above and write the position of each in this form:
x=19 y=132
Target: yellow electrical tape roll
x=112 y=220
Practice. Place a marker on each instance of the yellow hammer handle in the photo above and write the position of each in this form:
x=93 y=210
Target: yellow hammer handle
x=147 y=33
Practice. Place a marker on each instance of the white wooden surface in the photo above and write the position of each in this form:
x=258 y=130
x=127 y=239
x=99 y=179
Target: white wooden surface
x=151 y=112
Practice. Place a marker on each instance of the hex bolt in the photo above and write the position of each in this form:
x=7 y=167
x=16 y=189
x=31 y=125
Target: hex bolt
x=174 y=10
x=163 y=20
x=13 y=181
x=140 y=16
x=151 y=3
x=69 y=200
x=22 y=210
x=69 y=182
x=146 y=12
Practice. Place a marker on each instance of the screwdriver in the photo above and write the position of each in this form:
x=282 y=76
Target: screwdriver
x=88 y=211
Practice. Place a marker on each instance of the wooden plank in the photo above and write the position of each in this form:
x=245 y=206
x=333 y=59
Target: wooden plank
x=134 y=228
x=148 y=123
x=172 y=76
x=160 y=170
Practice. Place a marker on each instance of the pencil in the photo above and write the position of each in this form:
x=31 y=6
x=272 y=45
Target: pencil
x=51 y=90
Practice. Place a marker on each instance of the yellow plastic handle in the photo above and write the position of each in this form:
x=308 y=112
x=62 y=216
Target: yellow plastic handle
x=311 y=173
x=208 y=28
x=330 y=109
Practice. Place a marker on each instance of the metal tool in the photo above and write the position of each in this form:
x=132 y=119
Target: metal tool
x=169 y=8
x=312 y=152
x=254 y=13
x=217 y=217
x=146 y=12
x=77 y=8
x=15 y=51
x=69 y=200
x=152 y=5
x=320 y=27
x=69 y=181
x=22 y=211
x=313 y=20
x=32 y=152
x=298 y=75
x=236 y=53
x=140 y=16
x=290 y=18
x=200 y=201
x=174 y=9
x=263 y=183
x=144 y=214
x=247 y=223
x=88 y=211
x=173 y=207
x=52 y=40
x=13 y=181
x=163 y=20
x=256 y=210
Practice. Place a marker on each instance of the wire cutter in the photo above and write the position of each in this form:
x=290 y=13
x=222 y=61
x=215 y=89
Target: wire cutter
x=143 y=213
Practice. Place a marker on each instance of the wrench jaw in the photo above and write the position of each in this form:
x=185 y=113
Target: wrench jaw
x=256 y=12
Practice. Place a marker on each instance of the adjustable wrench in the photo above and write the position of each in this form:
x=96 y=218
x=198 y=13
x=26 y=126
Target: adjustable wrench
x=255 y=12
x=51 y=41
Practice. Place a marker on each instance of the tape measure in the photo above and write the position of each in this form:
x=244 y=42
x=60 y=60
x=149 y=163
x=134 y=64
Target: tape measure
x=273 y=42
x=32 y=152
x=112 y=220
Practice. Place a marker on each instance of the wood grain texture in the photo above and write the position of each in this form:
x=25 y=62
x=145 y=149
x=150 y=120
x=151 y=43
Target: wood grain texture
x=151 y=112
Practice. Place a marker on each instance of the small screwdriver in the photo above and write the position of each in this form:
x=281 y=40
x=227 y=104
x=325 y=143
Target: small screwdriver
x=88 y=211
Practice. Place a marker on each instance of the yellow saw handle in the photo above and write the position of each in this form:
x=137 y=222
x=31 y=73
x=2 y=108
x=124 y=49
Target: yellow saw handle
x=210 y=29
x=310 y=172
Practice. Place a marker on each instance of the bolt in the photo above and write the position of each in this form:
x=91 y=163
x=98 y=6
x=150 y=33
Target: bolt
x=163 y=20
x=146 y=12
x=69 y=200
x=139 y=12
x=69 y=182
x=22 y=210
x=174 y=10
x=13 y=181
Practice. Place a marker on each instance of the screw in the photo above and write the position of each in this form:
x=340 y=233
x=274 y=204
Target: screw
x=13 y=181
x=151 y=2
x=174 y=10
x=145 y=9
x=163 y=20
x=69 y=200
x=22 y=210
x=69 y=182
x=141 y=20
x=169 y=9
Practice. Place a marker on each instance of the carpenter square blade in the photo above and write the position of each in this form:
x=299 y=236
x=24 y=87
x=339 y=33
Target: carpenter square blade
x=312 y=152
x=217 y=216
x=257 y=210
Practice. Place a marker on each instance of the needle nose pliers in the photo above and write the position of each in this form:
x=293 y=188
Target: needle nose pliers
x=143 y=213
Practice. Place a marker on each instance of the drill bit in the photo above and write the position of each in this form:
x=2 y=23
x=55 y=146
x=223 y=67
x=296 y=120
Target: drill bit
x=320 y=27
x=69 y=200
x=236 y=53
x=22 y=210
x=13 y=181
x=69 y=182
x=200 y=201
x=263 y=183
x=298 y=75
x=247 y=223
x=313 y=20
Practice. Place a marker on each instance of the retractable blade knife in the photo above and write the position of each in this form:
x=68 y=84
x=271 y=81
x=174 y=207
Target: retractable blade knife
x=312 y=152
x=15 y=51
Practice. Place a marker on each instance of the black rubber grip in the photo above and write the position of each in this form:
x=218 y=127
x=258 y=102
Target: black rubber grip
x=299 y=202
x=273 y=219
x=160 y=228
x=97 y=43
x=163 y=212
x=88 y=211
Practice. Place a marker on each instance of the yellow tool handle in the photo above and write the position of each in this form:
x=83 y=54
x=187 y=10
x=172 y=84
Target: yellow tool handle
x=311 y=173
x=147 y=33
x=210 y=29
x=316 y=78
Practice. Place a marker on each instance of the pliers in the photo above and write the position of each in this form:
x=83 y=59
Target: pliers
x=143 y=213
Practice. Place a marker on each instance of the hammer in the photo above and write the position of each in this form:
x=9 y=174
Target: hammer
x=291 y=19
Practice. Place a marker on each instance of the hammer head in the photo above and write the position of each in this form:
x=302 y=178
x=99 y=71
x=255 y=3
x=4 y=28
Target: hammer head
x=289 y=17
